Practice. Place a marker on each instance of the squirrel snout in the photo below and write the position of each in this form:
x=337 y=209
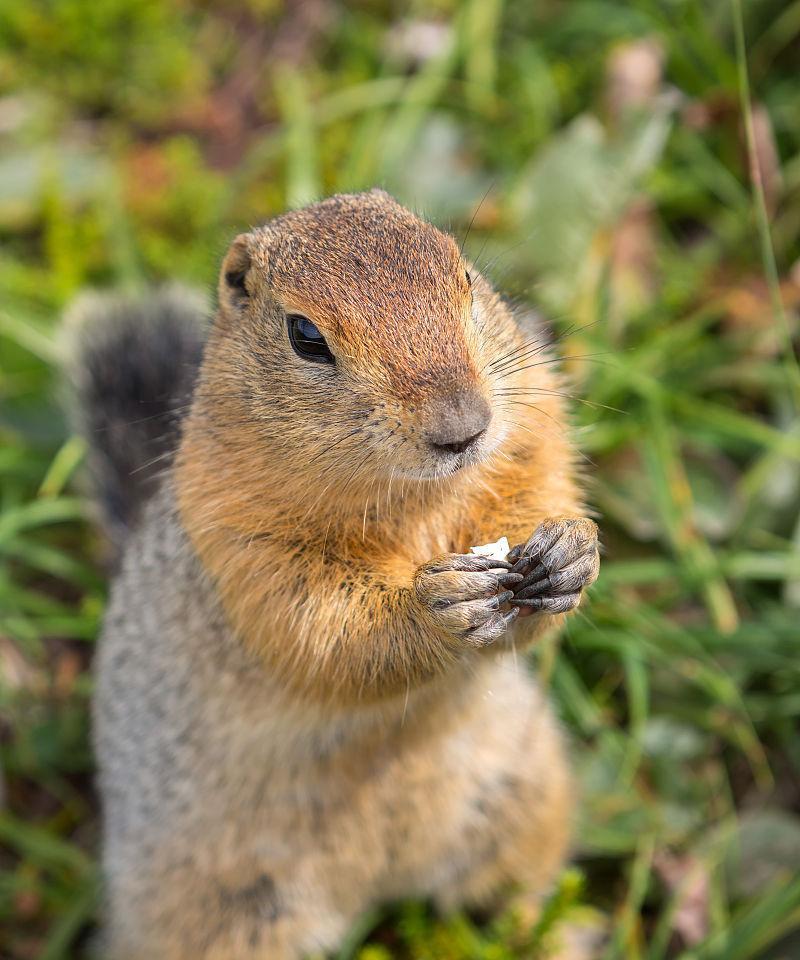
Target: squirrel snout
x=457 y=423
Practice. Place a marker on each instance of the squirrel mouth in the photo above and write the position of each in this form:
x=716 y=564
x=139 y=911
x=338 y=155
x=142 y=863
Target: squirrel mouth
x=477 y=454
x=451 y=464
x=435 y=462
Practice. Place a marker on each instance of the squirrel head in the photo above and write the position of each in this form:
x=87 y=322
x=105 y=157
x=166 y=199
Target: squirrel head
x=352 y=340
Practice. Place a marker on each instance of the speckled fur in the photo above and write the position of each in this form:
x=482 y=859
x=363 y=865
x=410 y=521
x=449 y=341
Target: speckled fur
x=289 y=727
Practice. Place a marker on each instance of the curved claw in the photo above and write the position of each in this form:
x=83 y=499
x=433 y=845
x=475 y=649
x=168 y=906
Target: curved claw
x=557 y=563
x=514 y=554
x=539 y=572
x=527 y=589
x=562 y=603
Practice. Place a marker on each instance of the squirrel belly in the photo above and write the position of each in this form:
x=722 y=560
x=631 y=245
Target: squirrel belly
x=308 y=696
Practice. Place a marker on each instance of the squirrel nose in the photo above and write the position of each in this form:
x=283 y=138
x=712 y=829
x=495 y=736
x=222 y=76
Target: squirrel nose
x=458 y=422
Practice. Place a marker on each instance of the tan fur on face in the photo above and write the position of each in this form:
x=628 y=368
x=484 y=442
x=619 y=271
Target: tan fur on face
x=377 y=280
x=292 y=501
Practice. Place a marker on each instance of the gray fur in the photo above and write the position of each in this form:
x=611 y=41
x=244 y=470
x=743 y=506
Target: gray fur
x=206 y=762
x=133 y=365
x=302 y=713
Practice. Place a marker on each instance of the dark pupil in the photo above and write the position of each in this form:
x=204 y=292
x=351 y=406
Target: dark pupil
x=307 y=341
x=307 y=330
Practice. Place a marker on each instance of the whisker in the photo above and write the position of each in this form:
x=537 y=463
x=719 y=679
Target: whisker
x=544 y=413
x=545 y=339
x=542 y=363
x=521 y=391
x=475 y=214
x=544 y=438
x=331 y=446
x=512 y=354
x=520 y=357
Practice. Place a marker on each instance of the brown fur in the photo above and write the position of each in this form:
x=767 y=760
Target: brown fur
x=317 y=705
x=310 y=546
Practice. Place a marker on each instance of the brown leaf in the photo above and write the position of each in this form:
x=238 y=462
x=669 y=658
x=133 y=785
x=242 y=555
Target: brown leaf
x=16 y=671
x=748 y=309
x=689 y=879
x=767 y=163
x=633 y=76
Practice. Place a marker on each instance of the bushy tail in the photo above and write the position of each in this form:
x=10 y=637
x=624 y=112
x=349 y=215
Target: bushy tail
x=133 y=364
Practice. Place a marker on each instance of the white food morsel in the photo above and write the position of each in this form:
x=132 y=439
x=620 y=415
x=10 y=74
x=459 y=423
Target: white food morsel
x=497 y=551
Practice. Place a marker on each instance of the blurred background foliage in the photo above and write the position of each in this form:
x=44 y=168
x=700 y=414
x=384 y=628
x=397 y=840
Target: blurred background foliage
x=629 y=171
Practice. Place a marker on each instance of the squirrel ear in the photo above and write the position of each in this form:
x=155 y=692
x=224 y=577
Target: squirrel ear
x=233 y=290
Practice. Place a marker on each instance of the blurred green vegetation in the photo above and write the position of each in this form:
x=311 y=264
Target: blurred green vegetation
x=602 y=152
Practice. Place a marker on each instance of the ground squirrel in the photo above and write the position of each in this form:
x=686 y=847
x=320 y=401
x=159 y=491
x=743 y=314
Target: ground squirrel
x=308 y=695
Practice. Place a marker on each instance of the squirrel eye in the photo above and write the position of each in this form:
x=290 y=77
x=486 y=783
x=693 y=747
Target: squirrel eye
x=306 y=340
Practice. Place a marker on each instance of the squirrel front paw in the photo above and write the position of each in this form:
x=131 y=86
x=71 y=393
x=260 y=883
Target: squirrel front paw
x=558 y=562
x=467 y=596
